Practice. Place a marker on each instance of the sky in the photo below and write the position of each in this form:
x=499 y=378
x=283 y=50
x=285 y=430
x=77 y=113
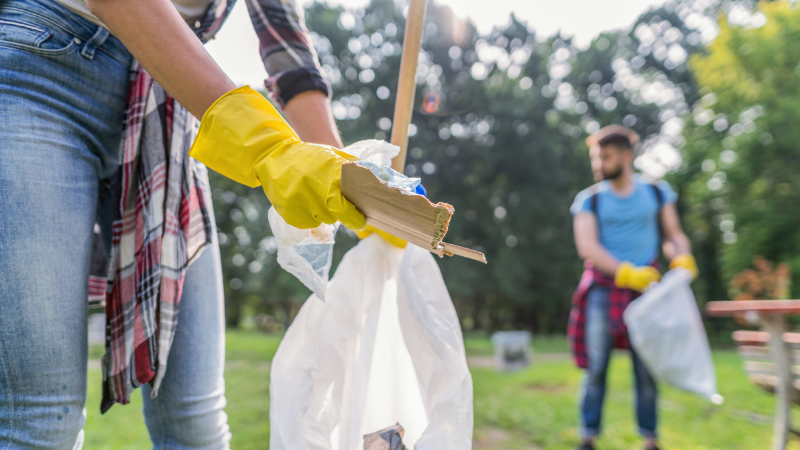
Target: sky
x=236 y=47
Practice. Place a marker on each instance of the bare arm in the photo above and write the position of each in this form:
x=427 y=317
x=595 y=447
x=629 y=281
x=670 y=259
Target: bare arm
x=588 y=243
x=675 y=240
x=166 y=47
x=310 y=115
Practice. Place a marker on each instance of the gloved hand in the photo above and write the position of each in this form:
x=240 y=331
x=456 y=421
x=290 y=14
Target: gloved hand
x=394 y=240
x=686 y=261
x=243 y=137
x=629 y=276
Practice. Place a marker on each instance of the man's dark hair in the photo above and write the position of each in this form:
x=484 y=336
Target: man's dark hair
x=618 y=140
x=613 y=134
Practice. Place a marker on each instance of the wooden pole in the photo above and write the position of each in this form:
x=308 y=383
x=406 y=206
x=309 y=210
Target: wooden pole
x=776 y=327
x=406 y=85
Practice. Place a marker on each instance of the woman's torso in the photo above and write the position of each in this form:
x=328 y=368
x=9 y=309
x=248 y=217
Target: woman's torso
x=190 y=10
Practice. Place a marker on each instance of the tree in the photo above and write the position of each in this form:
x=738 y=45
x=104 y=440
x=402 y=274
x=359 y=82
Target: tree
x=505 y=145
x=742 y=155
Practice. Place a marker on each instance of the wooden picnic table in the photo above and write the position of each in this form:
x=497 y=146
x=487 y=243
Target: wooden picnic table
x=770 y=315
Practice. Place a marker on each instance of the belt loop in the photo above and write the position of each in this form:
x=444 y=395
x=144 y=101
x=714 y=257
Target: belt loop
x=96 y=41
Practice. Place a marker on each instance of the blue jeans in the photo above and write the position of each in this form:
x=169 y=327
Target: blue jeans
x=599 y=344
x=63 y=93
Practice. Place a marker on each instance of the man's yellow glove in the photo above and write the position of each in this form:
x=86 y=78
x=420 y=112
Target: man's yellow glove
x=686 y=261
x=629 y=276
x=394 y=240
x=243 y=137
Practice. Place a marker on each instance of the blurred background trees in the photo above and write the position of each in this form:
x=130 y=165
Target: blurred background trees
x=709 y=86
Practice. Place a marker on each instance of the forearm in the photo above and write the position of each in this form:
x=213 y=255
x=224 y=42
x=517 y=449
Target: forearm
x=310 y=115
x=165 y=46
x=681 y=244
x=602 y=259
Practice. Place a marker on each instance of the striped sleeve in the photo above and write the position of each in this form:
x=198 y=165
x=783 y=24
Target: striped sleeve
x=286 y=49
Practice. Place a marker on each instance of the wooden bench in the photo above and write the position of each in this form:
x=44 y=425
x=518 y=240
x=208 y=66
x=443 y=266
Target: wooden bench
x=754 y=349
x=772 y=356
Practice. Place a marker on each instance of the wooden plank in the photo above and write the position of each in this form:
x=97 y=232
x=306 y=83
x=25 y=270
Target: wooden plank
x=770 y=307
x=751 y=351
x=791 y=338
x=759 y=367
x=767 y=368
x=410 y=217
x=749 y=337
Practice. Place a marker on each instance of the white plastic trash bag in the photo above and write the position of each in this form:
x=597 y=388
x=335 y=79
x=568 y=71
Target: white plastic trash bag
x=307 y=253
x=665 y=329
x=385 y=347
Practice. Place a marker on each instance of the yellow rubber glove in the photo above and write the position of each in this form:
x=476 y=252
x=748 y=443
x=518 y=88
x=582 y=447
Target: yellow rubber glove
x=686 y=261
x=394 y=240
x=629 y=276
x=243 y=137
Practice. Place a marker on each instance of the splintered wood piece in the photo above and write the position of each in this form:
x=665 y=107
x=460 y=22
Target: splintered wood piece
x=390 y=438
x=450 y=250
x=410 y=217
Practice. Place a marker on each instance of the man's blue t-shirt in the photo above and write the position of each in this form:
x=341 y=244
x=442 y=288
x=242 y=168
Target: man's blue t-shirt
x=627 y=226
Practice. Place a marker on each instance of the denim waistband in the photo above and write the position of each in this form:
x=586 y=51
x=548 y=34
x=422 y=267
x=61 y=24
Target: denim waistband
x=67 y=21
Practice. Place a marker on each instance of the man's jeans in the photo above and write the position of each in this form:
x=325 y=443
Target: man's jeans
x=63 y=94
x=599 y=345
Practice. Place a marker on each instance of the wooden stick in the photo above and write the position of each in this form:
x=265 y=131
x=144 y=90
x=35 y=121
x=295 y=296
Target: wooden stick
x=451 y=250
x=406 y=85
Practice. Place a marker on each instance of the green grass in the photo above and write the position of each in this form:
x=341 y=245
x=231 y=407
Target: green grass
x=247 y=391
x=527 y=410
x=536 y=408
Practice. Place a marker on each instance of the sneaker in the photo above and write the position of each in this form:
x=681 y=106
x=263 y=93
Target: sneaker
x=586 y=446
x=655 y=447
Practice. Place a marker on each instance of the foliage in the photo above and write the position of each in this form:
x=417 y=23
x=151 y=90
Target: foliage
x=741 y=160
x=505 y=147
x=762 y=283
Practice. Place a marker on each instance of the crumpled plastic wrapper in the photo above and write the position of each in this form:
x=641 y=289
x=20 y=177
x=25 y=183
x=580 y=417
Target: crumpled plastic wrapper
x=386 y=439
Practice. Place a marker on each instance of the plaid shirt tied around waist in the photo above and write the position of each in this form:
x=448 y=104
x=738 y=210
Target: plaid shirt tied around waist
x=618 y=298
x=161 y=224
x=161 y=200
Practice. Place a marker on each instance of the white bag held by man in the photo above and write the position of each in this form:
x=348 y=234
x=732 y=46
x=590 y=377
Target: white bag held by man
x=665 y=329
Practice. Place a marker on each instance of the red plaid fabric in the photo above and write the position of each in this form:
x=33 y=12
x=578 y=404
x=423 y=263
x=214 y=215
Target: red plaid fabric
x=161 y=224
x=619 y=299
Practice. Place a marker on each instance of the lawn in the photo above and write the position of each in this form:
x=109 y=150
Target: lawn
x=528 y=410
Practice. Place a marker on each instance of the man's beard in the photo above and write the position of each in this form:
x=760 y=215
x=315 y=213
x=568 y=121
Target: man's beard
x=613 y=175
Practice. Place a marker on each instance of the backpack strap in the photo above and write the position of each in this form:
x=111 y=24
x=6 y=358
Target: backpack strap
x=593 y=206
x=659 y=195
x=660 y=200
x=593 y=199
